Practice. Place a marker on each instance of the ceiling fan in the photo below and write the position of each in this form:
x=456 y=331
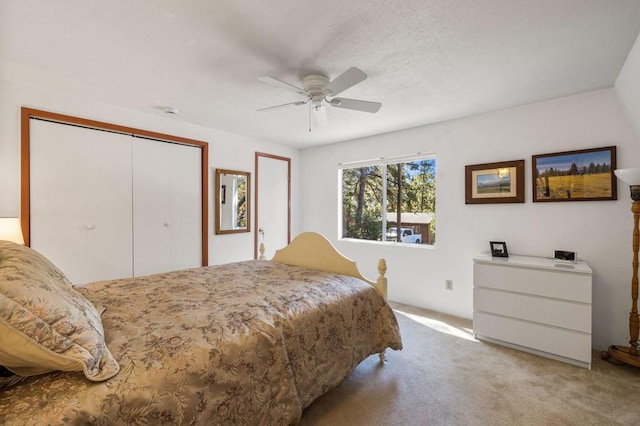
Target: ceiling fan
x=319 y=90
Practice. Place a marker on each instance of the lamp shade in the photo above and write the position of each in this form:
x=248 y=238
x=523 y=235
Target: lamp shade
x=10 y=229
x=629 y=176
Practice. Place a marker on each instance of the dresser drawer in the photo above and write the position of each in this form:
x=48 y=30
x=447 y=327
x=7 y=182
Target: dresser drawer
x=554 y=312
x=558 y=284
x=566 y=343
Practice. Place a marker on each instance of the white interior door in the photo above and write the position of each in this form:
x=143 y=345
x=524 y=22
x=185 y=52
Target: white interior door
x=186 y=207
x=272 y=202
x=167 y=207
x=80 y=198
x=151 y=207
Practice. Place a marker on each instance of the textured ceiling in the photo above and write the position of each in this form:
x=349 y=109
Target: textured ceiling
x=426 y=60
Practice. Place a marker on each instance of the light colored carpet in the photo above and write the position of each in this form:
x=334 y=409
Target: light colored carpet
x=445 y=377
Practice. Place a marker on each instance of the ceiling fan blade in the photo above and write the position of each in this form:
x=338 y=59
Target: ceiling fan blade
x=355 y=104
x=284 y=105
x=284 y=85
x=349 y=78
x=319 y=114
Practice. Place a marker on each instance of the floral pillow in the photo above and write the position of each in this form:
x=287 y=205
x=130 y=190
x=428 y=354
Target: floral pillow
x=46 y=325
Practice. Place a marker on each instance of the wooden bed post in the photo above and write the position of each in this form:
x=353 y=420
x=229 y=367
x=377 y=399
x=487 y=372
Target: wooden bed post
x=382 y=280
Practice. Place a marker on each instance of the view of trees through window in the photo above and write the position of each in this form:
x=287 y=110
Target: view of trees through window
x=242 y=204
x=378 y=200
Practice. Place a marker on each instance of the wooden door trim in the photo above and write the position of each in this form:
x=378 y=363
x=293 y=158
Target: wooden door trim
x=255 y=228
x=25 y=140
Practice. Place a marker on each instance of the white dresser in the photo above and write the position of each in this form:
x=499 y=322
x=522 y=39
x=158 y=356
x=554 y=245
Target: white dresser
x=535 y=305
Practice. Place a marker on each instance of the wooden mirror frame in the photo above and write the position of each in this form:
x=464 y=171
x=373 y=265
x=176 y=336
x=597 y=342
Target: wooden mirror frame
x=219 y=194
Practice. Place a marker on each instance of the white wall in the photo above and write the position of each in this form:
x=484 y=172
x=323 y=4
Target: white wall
x=599 y=231
x=628 y=86
x=226 y=151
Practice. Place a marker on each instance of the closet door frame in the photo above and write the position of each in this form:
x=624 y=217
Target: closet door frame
x=25 y=138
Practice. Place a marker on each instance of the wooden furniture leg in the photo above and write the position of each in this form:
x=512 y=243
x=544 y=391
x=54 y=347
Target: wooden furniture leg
x=629 y=355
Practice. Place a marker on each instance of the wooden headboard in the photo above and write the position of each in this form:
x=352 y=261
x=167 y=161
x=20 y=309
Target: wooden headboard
x=314 y=251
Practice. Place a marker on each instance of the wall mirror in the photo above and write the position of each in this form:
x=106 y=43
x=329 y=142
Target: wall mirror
x=233 y=190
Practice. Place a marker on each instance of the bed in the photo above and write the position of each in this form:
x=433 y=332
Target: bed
x=251 y=342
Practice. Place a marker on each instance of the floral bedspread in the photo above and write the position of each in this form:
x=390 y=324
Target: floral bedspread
x=244 y=343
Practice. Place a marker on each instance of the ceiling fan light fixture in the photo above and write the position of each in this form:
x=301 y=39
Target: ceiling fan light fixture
x=319 y=113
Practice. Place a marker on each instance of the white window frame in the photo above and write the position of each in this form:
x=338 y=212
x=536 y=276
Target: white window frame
x=382 y=161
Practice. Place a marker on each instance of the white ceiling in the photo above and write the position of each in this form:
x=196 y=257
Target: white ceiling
x=426 y=60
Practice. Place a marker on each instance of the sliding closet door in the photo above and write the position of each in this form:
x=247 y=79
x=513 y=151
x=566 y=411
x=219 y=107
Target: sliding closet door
x=80 y=197
x=186 y=207
x=167 y=210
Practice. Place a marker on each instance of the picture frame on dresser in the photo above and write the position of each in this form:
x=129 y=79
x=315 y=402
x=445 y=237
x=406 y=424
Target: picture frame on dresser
x=490 y=183
x=498 y=249
x=580 y=175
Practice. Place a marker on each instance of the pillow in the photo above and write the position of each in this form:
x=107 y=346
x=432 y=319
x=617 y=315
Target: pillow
x=45 y=324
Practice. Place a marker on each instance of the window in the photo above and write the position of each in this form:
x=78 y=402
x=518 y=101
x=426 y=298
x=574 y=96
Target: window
x=378 y=197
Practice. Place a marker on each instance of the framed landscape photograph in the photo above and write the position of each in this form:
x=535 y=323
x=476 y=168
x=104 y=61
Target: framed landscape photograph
x=495 y=182
x=582 y=175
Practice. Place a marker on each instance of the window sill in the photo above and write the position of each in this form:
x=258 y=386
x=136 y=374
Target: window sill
x=388 y=243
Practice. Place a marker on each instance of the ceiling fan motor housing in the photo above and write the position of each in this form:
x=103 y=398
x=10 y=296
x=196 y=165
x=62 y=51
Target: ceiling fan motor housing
x=314 y=84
